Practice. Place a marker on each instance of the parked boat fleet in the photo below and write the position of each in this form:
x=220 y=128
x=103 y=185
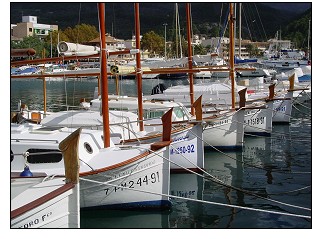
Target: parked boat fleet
x=133 y=172
x=126 y=160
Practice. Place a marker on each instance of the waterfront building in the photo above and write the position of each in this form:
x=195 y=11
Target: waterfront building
x=30 y=27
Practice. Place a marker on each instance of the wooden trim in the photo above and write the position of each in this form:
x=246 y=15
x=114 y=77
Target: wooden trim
x=36 y=203
x=159 y=145
x=115 y=165
x=156 y=135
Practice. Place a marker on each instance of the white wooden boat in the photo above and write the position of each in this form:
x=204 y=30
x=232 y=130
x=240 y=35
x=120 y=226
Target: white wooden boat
x=203 y=75
x=224 y=130
x=256 y=72
x=109 y=169
x=258 y=119
x=186 y=151
x=211 y=92
x=283 y=100
x=111 y=176
x=46 y=201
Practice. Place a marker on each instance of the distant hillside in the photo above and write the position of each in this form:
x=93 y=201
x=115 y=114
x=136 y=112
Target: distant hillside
x=297 y=30
x=261 y=20
x=290 y=6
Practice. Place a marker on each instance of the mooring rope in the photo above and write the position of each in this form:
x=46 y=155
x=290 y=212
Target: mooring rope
x=200 y=201
x=216 y=180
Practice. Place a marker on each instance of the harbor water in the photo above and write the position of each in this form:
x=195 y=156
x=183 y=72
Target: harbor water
x=266 y=185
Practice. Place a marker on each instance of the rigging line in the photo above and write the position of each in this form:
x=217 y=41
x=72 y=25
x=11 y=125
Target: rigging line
x=251 y=165
x=252 y=21
x=220 y=28
x=292 y=191
x=247 y=25
x=74 y=90
x=78 y=23
x=255 y=195
x=263 y=130
x=297 y=102
x=132 y=172
x=273 y=134
x=256 y=23
x=266 y=39
x=302 y=112
x=222 y=33
x=197 y=200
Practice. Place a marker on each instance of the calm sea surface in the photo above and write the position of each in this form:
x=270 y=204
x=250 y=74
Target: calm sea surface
x=271 y=174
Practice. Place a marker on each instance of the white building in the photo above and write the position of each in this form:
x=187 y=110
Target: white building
x=30 y=27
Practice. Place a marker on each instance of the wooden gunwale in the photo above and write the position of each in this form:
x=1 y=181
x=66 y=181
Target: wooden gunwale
x=156 y=135
x=40 y=201
x=114 y=166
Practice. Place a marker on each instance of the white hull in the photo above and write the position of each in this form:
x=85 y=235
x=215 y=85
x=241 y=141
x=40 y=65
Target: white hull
x=225 y=132
x=187 y=150
x=282 y=109
x=216 y=93
x=255 y=73
x=135 y=163
x=150 y=174
x=220 y=74
x=203 y=75
x=285 y=64
x=259 y=121
x=61 y=211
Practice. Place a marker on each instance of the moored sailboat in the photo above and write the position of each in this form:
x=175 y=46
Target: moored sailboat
x=110 y=177
x=43 y=201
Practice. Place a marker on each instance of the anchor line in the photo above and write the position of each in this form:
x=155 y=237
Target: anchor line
x=200 y=201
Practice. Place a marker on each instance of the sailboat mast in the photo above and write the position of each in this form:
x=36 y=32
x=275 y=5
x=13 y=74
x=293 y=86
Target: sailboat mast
x=176 y=28
x=190 y=57
x=231 y=55
x=180 y=40
x=309 y=40
x=104 y=81
x=240 y=31
x=138 y=66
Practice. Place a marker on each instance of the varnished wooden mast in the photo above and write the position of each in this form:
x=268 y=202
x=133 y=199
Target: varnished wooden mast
x=104 y=81
x=138 y=66
x=231 y=55
x=190 y=56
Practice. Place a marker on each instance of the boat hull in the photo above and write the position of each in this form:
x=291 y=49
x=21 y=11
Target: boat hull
x=143 y=173
x=60 y=211
x=226 y=132
x=259 y=121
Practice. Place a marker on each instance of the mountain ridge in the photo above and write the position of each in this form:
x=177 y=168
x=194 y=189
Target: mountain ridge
x=120 y=16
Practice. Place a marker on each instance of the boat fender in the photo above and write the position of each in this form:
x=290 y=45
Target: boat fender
x=26 y=172
x=114 y=69
x=158 y=89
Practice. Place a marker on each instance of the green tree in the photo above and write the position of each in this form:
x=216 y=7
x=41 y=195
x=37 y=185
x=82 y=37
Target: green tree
x=31 y=42
x=252 y=50
x=297 y=31
x=200 y=50
x=153 y=42
x=57 y=36
x=81 y=33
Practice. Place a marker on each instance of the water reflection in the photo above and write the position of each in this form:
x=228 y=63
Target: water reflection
x=186 y=213
x=227 y=168
x=123 y=219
